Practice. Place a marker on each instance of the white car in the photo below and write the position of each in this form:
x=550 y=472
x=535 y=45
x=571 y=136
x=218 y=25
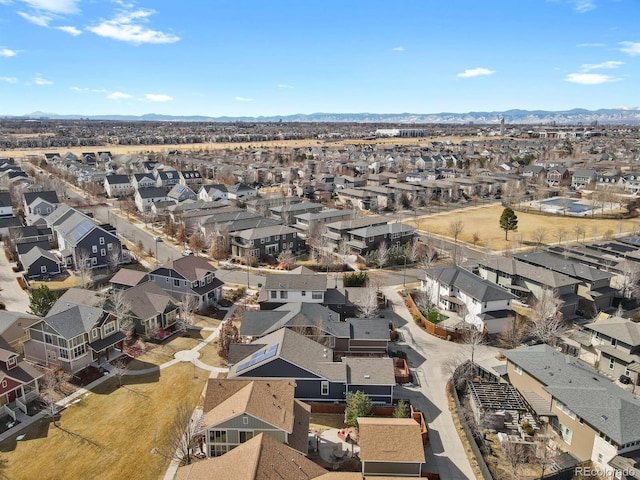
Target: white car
x=186 y=253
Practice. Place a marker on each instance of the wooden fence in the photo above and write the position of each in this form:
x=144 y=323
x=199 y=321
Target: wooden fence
x=432 y=328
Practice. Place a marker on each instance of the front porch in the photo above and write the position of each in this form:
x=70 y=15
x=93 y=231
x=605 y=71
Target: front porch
x=107 y=349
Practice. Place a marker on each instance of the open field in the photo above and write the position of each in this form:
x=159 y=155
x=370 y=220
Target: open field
x=198 y=147
x=484 y=222
x=110 y=433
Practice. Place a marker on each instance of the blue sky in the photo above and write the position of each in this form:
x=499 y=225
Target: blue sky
x=254 y=57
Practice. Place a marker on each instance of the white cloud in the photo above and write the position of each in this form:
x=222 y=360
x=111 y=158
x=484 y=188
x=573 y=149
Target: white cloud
x=630 y=48
x=398 y=49
x=40 y=20
x=9 y=79
x=126 y=27
x=583 y=45
x=583 y=6
x=54 y=6
x=42 y=81
x=118 y=96
x=284 y=85
x=158 y=97
x=590 y=78
x=604 y=65
x=243 y=99
x=475 y=72
x=5 y=52
x=624 y=107
x=71 y=30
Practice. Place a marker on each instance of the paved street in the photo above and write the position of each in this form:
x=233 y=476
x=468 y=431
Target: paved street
x=14 y=298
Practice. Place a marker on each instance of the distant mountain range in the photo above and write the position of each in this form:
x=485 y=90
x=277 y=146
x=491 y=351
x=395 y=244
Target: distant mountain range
x=574 y=116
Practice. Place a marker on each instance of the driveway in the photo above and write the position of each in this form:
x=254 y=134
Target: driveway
x=427 y=357
x=12 y=295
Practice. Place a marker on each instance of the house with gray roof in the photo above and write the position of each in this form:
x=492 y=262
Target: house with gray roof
x=581 y=177
x=310 y=223
x=154 y=312
x=146 y=197
x=287 y=354
x=393 y=235
x=181 y=193
x=591 y=417
x=528 y=281
x=73 y=336
x=117 y=185
x=337 y=232
x=40 y=263
x=595 y=285
x=41 y=203
x=266 y=242
x=480 y=303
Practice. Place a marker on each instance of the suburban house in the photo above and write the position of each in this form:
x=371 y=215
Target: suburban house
x=583 y=177
x=287 y=213
x=308 y=224
x=357 y=198
x=337 y=232
x=241 y=191
x=287 y=354
x=354 y=336
x=480 y=303
x=211 y=193
x=181 y=193
x=261 y=457
x=18 y=382
x=190 y=275
x=613 y=347
x=190 y=178
x=261 y=242
x=390 y=447
x=40 y=263
x=143 y=180
x=166 y=178
x=117 y=185
x=13 y=326
x=558 y=177
x=393 y=235
x=6 y=207
x=536 y=173
x=40 y=203
x=72 y=336
x=126 y=278
x=236 y=410
x=592 y=418
x=528 y=281
x=146 y=197
x=595 y=285
x=153 y=311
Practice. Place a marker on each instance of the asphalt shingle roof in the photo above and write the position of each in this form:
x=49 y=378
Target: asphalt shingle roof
x=469 y=283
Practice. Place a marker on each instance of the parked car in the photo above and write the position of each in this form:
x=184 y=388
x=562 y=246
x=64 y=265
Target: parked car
x=186 y=253
x=624 y=380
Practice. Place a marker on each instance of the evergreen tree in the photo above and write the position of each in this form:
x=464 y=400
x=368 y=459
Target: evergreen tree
x=358 y=405
x=508 y=221
x=41 y=300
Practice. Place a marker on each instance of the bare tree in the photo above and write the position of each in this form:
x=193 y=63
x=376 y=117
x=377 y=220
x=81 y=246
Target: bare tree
x=539 y=235
x=228 y=334
x=381 y=256
x=512 y=334
x=517 y=455
x=183 y=434
x=286 y=260
x=186 y=311
x=629 y=280
x=473 y=338
x=120 y=368
x=196 y=242
x=546 y=322
x=114 y=259
x=560 y=234
x=369 y=303
x=51 y=391
x=121 y=308
x=456 y=227
x=83 y=267
x=579 y=230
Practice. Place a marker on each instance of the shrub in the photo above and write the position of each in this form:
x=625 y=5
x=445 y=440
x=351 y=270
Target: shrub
x=355 y=279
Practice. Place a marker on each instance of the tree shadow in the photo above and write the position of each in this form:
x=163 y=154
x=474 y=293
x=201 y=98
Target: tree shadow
x=38 y=429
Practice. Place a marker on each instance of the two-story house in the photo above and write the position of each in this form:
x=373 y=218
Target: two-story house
x=40 y=203
x=535 y=173
x=236 y=410
x=190 y=275
x=558 y=177
x=18 y=382
x=143 y=180
x=211 y=193
x=479 y=302
x=393 y=235
x=118 y=185
x=583 y=177
x=166 y=179
x=154 y=312
x=313 y=223
x=72 y=336
x=241 y=191
x=337 y=232
x=591 y=417
x=614 y=348
x=180 y=193
x=190 y=178
x=146 y=197
x=263 y=242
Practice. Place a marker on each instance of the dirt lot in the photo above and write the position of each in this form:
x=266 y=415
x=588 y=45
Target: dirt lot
x=484 y=221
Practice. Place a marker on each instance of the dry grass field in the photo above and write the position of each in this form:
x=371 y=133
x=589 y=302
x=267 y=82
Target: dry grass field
x=198 y=147
x=484 y=223
x=160 y=354
x=110 y=433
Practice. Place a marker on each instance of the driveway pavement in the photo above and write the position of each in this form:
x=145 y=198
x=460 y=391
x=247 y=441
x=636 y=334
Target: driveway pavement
x=428 y=357
x=12 y=295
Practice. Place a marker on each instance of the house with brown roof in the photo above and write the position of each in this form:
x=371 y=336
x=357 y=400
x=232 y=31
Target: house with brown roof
x=262 y=457
x=236 y=410
x=390 y=447
x=153 y=311
x=126 y=278
x=190 y=275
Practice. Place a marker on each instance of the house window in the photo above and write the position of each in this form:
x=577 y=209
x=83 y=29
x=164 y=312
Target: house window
x=244 y=436
x=564 y=409
x=43 y=269
x=63 y=353
x=600 y=458
x=324 y=388
x=94 y=332
x=218 y=450
x=303 y=293
x=517 y=369
x=101 y=240
x=612 y=363
x=48 y=338
x=218 y=436
x=284 y=294
x=245 y=420
x=79 y=351
x=290 y=244
x=262 y=240
x=94 y=261
x=12 y=362
x=614 y=342
x=109 y=328
x=4 y=384
x=176 y=283
x=109 y=246
x=276 y=237
x=316 y=295
x=94 y=249
x=274 y=294
x=103 y=252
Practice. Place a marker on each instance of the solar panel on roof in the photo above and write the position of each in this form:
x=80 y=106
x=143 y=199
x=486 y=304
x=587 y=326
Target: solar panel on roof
x=631 y=240
x=258 y=357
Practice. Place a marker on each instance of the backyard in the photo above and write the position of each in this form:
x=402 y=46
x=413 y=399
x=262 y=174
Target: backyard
x=480 y=226
x=110 y=426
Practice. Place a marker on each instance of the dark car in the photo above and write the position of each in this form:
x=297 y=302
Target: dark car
x=624 y=380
